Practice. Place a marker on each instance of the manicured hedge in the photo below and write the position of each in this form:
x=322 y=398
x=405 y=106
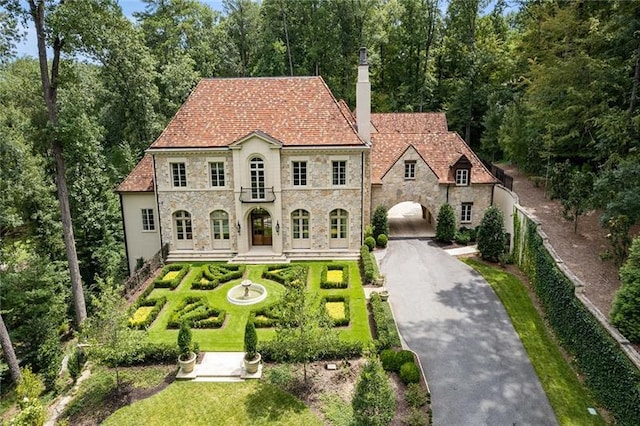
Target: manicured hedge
x=211 y=276
x=409 y=373
x=386 y=338
x=339 y=322
x=341 y=350
x=324 y=283
x=609 y=374
x=196 y=311
x=393 y=360
x=145 y=354
x=265 y=317
x=285 y=274
x=157 y=304
x=160 y=282
x=369 y=267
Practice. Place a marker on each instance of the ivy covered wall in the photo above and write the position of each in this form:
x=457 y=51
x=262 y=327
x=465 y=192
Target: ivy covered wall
x=609 y=374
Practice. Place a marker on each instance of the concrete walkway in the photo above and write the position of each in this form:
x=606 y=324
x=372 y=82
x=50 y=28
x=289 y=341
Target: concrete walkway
x=476 y=366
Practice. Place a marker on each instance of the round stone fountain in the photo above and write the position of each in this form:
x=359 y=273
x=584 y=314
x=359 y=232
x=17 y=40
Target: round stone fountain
x=246 y=293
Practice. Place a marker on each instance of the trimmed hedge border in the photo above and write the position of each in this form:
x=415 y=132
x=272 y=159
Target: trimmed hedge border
x=342 y=350
x=334 y=267
x=285 y=273
x=199 y=315
x=369 y=267
x=160 y=282
x=157 y=303
x=270 y=317
x=609 y=374
x=214 y=275
x=347 y=310
x=386 y=339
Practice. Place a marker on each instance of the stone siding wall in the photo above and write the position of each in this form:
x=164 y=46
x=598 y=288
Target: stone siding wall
x=479 y=195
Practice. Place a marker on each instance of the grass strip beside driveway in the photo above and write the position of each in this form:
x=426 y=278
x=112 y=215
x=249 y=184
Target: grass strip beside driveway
x=569 y=399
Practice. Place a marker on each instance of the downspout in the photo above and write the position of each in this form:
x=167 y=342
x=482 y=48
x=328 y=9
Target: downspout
x=155 y=190
x=362 y=220
x=493 y=189
x=124 y=231
x=447 y=193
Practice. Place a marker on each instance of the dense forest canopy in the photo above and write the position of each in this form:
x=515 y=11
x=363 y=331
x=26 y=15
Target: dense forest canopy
x=551 y=86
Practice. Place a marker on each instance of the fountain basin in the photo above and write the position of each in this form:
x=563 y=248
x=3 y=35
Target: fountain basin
x=247 y=293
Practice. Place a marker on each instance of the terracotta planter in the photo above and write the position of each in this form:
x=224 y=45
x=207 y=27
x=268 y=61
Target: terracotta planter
x=251 y=366
x=187 y=366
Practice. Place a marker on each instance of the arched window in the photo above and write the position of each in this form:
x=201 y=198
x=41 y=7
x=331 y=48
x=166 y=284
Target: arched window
x=220 y=225
x=257 y=179
x=183 y=225
x=300 y=222
x=339 y=223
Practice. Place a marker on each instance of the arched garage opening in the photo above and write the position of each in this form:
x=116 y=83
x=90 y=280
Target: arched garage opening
x=410 y=220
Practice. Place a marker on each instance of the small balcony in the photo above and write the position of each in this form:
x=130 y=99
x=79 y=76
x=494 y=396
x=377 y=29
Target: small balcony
x=257 y=195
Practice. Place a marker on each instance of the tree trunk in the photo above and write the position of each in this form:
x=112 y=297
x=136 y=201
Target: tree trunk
x=50 y=93
x=9 y=353
x=286 y=36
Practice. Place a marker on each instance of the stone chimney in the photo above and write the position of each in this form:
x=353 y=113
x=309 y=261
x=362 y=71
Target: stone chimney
x=363 y=98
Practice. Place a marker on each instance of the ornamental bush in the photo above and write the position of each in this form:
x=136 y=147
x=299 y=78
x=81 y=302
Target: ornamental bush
x=370 y=242
x=446 y=228
x=369 y=266
x=409 y=373
x=491 y=235
x=625 y=312
x=380 y=222
x=382 y=240
x=250 y=341
x=373 y=402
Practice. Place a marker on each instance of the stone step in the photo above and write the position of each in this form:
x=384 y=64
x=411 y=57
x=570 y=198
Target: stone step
x=260 y=259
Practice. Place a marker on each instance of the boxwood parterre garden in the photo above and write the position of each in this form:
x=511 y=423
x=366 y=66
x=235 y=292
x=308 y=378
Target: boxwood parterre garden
x=198 y=293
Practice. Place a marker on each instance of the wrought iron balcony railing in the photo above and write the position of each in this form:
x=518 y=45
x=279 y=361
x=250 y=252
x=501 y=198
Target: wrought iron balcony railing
x=257 y=195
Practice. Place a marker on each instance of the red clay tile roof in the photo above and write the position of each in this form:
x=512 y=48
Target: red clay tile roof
x=293 y=110
x=410 y=122
x=438 y=150
x=141 y=177
x=347 y=112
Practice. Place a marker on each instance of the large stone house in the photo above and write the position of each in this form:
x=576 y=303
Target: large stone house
x=275 y=169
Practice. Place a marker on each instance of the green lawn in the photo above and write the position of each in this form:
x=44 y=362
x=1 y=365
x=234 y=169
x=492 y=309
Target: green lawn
x=202 y=403
x=230 y=336
x=567 y=396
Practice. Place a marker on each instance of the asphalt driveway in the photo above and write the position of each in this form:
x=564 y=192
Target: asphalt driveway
x=476 y=366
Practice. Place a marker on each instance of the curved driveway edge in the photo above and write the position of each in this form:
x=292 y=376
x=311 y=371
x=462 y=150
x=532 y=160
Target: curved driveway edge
x=477 y=368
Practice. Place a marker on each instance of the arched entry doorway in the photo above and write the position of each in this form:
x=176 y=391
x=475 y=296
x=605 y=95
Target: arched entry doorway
x=410 y=220
x=261 y=228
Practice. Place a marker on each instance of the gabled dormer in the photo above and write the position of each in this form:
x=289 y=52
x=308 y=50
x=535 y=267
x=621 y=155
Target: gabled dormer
x=461 y=171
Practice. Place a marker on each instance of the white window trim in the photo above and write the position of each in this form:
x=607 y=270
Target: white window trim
x=224 y=170
x=306 y=172
x=466 y=174
x=470 y=211
x=153 y=216
x=176 y=160
x=407 y=163
x=346 y=171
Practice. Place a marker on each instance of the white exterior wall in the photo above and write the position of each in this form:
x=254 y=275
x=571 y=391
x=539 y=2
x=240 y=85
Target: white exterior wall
x=506 y=201
x=140 y=243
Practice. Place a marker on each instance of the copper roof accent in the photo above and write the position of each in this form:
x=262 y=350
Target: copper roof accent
x=439 y=150
x=410 y=122
x=298 y=111
x=141 y=177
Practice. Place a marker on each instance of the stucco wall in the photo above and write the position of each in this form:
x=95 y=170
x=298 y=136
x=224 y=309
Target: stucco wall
x=506 y=201
x=140 y=243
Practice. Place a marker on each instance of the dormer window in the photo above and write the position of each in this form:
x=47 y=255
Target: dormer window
x=462 y=171
x=462 y=177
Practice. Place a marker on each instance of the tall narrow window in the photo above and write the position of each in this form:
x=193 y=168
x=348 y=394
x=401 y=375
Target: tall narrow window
x=339 y=174
x=179 y=174
x=183 y=225
x=339 y=220
x=299 y=173
x=148 y=222
x=462 y=177
x=257 y=179
x=217 y=174
x=465 y=216
x=409 y=169
x=220 y=225
x=300 y=221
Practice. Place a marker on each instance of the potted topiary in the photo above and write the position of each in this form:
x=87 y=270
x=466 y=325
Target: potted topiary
x=252 y=357
x=187 y=357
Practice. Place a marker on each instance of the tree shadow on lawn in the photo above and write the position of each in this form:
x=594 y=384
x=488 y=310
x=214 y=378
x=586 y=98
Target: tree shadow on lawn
x=269 y=404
